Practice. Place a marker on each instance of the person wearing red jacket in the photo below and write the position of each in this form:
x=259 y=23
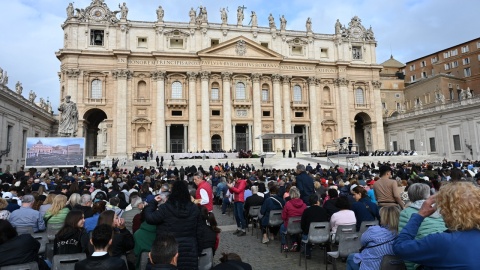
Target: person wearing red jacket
x=293 y=208
x=238 y=191
x=204 y=194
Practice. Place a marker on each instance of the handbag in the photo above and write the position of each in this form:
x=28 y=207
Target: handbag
x=377 y=245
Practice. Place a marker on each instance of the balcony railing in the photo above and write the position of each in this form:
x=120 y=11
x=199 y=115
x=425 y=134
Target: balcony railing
x=362 y=106
x=96 y=101
x=141 y=100
x=299 y=105
x=177 y=103
x=242 y=103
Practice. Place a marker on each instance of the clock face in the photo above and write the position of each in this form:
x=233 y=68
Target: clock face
x=356 y=32
x=97 y=13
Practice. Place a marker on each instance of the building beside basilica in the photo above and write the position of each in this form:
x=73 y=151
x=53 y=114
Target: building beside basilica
x=201 y=85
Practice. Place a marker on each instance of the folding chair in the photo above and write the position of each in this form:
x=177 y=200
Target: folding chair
x=24 y=230
x=23 y=266
x=52 y=230
x=205 y=260
x=274 y=220
x=293 y=227
x=253 y=213
x=43 y=240
x=391 y=262
x=144 y=260
x=347 y=243
x=67 y=261
x=318 y=233
x=367 y=224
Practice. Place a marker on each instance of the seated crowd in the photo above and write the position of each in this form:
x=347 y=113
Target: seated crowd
x=114 y=216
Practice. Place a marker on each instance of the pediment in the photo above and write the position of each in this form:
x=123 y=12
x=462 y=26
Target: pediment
x=240 y=47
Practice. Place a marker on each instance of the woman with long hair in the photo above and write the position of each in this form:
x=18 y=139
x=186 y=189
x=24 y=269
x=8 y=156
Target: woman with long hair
x=57 y=213
x=377 y=241
x=47 y=203
x=209 y=231
x=180 y=216
x=92 y=221
x=72 y=237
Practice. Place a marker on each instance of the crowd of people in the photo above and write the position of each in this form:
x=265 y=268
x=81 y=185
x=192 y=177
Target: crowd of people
x=169 y=212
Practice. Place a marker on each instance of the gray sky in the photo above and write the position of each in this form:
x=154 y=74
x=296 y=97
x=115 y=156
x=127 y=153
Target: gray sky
x=408 y=29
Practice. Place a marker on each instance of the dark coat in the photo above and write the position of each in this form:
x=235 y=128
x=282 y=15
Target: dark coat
x=305 y=185
x=362 y=213
x=104 y=262
x=268 y=205
x=330 y=207
x=253 y=200
x=72 y=242
x=313 y=213
x=184 y=223
x=21 y=249
x=207 y=237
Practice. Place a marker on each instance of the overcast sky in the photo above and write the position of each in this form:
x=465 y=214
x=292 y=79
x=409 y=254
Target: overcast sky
x=408 y=29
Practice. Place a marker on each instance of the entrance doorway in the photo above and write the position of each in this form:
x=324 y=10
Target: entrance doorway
x=216 y=143
x=92 y=120
x=241 y=136
x=177 y=139
x=300 y=141
x=363 y=136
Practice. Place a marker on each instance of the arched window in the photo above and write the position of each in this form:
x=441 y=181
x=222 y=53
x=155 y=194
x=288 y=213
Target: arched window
x=326 y=96
x=297 y=93
x=240 y=91
x=215 y=93
x=359 y=96
x=96 y=89
x=265 y=93
x=142 y=89
x=177 y=91
x=141 y=136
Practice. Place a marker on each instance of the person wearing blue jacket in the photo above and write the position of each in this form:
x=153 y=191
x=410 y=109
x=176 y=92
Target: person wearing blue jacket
x=456 y=248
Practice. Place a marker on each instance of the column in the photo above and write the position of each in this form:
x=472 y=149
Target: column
x=307 y=132
x=343 y=116
x=168 y=138
x=277 y=111
x=312 y=91
x=287 y=119
x=379 y=142
x=234 y=137
x=122 y=75
x=185 y=138
x=227 y=112
x=249 y=146
x=159 y=77
x=206 y=145
x=192 y=112
x=257 y=112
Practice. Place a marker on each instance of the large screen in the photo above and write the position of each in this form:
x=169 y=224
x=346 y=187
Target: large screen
x=55 y=152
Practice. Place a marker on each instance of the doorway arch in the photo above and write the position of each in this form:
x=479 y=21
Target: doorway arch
x=92 y=119
x=216 y=143
x=363 y=132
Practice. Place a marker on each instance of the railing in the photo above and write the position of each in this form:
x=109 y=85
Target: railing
x=362 y=106
x=96 y=101
x=177 y=102
x=299 y=104
x=325 y=103
x=244 y=103
x=141 y=100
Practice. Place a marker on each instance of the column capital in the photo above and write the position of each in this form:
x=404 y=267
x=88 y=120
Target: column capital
x=192 y=76
x=312 y=80
x=158 y=75
x=256 y=77
x=205 y=75
x=226 y=76
x=286 y=79
x=276 y=78
x=122 y=73
x=341 y=82
x=376 y=84
x=72 y=73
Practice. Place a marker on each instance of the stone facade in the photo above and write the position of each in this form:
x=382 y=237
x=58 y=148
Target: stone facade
x=199 y=85
x=21 y=118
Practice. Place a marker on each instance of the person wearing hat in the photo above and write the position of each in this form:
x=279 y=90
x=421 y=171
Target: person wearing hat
x=12 y=206
x=370 y=191
x=26 y=216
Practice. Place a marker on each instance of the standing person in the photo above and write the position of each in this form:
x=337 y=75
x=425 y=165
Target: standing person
x=161 y=161
x=158 y=161
x=386 y=189
x=304 y=183
x=262 y=160
x=294 y=150
x=180 y=216
x=350 y=144
x=238 y=191
x=283 y=153
x=203 y=194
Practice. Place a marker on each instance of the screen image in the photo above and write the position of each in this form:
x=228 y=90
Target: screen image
x=55 y=152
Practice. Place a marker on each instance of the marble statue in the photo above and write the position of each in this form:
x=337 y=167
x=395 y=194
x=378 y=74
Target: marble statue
x=308 y=25
x=271 y=21
x=192 y=15
x=338 y=27
x=32 y=96
x=41 y=103
x=283 y=23
x=3 y=77
x=254 y=20
x=224 y=15
x=469 y=93
x=204 y=14
x=369 y=34
x=160 y=14
x=463 y=95
x=240 y=15
x=18 y=88
x=70 y=11
x=68 y=118
x=123 y=11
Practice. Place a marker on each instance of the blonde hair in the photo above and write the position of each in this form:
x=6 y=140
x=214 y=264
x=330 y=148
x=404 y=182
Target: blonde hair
x=389 y=216
x=49 y=199
x=59 y=202
x=458 y=204
x=3 y=203
x=294 y=193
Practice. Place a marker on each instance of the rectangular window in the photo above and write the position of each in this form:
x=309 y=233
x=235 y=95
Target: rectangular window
x=456 y=143
x=297 y=50
x=423 y=64
x=446 y=54
x=176 y=43
x=478 y=56
x=265 y=95
x=433 y=148
x=447 y=66
x=215 y=94
x=478 y=44
x=324 y=52
x=454 y=64
x=96 y=37
x=384 y=105
x=142 y=42
x=424 y=74
x=395 y=147
x=412 y=67
x=467 y=72
x=264 y=44
x=357 y=52
x=412 y=145
x=298 y=114
x=412 y=78
x=433 y=60
x=214 y=42
x=266 y=113
x=466 y=61
x=215 y=112
x=454 y=52
x=465 y=49
x=177 y=113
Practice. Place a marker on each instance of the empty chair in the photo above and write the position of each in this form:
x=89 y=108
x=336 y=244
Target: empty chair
x=144 y=260
x=347 y=243
x=391 y=262
x=52 y=230
x=275 y=219
x=24 y=230
x=293 y=227
x=43 y=240
x=344 y=229
x=318 y=234
x=253 y=212
x=23 y=266
x=205 y=260
x=67 y=261
x=366 y=224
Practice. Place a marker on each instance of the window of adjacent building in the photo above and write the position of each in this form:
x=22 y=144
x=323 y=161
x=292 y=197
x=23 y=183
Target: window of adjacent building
x=423 y=63
x=395 y=146
x=478 y=44
x=447 y=66
x=214 y=42
x=264 y=44
x=297 y=93
x=297 y=50
x=456 y=143
x=240 y=92
x=177 y=113
x=465 y=49
x=96 y=37
x=359 y=96
x=413 y=78
x=454 y=52
x=215 y=94
x=142 y=89
x=454 y=64
x=433 y=60
x=142 y=42
x=177 y=91
x=324 y=52
x=357 y=52
x=298 y=114
x=265 y=94
x=433 y=148
x=96 y=89
x=466 y=61
x=176 y=43
x=215 y=112
x=412 y=145
x=266 y=113
x=412 y=67
x=424 y=74
x=446 y=54
x=398 y=106
x=467 y=72
x=384 y=105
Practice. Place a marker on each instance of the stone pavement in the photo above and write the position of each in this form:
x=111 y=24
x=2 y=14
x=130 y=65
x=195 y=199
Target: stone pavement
x=261 y=256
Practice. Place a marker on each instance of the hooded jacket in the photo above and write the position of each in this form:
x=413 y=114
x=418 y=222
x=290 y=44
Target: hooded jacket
x=293 y=208
x=144 y=238
x=74 y=241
